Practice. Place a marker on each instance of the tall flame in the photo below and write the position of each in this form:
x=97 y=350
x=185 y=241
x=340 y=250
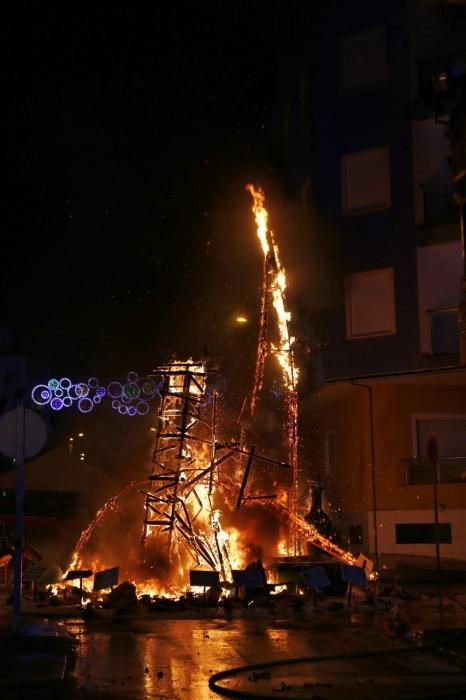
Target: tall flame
x=275 y=285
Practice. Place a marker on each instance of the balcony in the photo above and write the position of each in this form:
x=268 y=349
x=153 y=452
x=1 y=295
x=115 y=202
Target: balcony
x=452 y=470
x=440 y=214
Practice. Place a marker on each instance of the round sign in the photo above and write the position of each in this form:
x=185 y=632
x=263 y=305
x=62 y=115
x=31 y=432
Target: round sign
x=34 y=436
x=433 y=450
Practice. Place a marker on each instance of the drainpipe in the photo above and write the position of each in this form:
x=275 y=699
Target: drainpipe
x=373 y=470
x=462 y=307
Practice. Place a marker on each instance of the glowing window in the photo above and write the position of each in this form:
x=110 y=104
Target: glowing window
x=366 y=181
x=370 y=303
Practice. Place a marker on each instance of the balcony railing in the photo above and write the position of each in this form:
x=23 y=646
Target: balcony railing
x=452 y=470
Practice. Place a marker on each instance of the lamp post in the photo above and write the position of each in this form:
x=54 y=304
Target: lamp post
x=19 y=511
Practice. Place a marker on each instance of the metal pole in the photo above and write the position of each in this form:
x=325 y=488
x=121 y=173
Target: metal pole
x=373 y=467
x=436 y=480
x=19 y=505
x=245 y=477
x=436 y=520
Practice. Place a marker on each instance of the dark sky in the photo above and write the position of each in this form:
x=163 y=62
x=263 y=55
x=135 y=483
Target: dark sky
x=128 y=138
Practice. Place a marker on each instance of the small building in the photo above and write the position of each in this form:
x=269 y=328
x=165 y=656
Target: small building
x=62 y=495
x=372 y=455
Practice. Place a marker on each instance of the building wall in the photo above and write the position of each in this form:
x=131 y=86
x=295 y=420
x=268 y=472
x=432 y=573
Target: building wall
x=349 y=486
x=320 y=123
x=439 y=274
x=386 y=531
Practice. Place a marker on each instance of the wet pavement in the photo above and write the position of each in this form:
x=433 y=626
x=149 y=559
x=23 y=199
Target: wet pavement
x=174 y=658
x=173 y=655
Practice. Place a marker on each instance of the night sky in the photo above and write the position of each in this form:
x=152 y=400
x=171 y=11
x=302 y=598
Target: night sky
x=128 y=138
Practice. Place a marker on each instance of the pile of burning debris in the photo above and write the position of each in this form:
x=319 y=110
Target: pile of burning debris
x=199 y=481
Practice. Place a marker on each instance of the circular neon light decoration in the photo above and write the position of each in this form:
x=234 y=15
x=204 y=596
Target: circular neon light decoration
x=85 y=405
x=131 y=390
x=72 y=393
x=81 y=390
x=114 y=390
x=41 y=394
x=129 y=398
x=142 y=408
x=149 y=388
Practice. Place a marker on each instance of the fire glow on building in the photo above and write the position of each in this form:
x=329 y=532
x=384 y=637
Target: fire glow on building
x=199 y=481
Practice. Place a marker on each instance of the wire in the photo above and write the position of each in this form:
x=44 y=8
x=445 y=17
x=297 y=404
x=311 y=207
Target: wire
x=232 y=693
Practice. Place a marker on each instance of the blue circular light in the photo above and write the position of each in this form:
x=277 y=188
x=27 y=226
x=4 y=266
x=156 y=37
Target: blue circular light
x=93 y=382
x=65 y=383
x=53 y=384
x=116 y=404
x=100 y=391
x=67 y=402
x=132 y=377
x=97 y=399
x=41 y=395
x=56 y=404
x=131 y=410
x=59 y=392
x=122 y=410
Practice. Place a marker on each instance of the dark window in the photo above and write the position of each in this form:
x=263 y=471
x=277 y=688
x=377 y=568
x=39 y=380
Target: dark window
x=445 y=332
x=422 y=533
x=363 y=61
x=439 y=204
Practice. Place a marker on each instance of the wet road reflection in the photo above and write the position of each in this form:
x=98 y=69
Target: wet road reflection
x=173 y=659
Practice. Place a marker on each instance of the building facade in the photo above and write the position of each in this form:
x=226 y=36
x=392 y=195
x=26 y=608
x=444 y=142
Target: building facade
x=363 y=125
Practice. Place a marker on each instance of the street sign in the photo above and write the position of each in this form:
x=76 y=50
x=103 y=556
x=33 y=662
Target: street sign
x=433 y=450
x=353 y=574
x=13 y=433
x=203 y=578
x=315 y=577
x=249 y=578
x=77 y=573
x=106 y=578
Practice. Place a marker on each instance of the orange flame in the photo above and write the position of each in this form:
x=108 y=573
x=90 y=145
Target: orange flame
x=275 y=284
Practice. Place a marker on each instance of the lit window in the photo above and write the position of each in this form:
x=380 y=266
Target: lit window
x=363 y=61
x=370 y=303
x=366 y=181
